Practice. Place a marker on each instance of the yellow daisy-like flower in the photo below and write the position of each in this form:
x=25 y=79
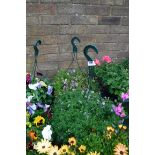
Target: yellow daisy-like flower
x=82 y=149
x=110 y=129
x=43 y=146
x=72 y=141
x=93 y=153
x=54 y=150
x=120 y=149
x=71 y=153
x=64 y=149
x=39 y=121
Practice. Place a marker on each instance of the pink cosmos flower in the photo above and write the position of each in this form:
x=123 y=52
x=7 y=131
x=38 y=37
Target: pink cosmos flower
x=106 y=59
x=119 y=110
x=122 y=115
x=125 y=96
x=97 y=62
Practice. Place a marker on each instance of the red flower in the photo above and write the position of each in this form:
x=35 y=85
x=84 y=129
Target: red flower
x=29 y=146
x=97 y=62
x=106 y=59
x=28 y=78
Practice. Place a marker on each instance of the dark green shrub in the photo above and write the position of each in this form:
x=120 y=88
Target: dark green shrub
x=113 y=78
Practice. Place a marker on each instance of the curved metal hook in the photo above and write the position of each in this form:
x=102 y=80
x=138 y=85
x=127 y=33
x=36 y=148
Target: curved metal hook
x=73 y=44
x=35 y=46
x=86 y=50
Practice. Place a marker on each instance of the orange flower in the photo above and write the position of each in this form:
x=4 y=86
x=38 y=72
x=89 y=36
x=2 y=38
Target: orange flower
x=32 y=135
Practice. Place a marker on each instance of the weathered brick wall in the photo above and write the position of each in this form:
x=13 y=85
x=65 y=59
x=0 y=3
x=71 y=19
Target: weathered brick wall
x=103 y=23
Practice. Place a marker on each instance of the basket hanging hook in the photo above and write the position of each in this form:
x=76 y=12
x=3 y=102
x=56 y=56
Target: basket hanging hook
x=74 y=42
x=91 y=63
x=36 y=53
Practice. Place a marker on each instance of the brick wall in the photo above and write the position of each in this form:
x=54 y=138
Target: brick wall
x=103 y=23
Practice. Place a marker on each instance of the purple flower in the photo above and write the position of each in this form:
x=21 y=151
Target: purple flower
x=50 y=89
x=40 y=105
x=119 y=110
x=31 y=108
x=125 y=96
x=45 y=107
x=38 y=85
x=122 y=115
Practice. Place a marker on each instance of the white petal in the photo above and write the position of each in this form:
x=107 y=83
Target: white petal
x=29 y=98
x=32 y=86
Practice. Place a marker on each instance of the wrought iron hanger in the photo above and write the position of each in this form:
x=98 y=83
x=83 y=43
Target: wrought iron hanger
x=36 y=53
x=91 y=63
x=74 y=42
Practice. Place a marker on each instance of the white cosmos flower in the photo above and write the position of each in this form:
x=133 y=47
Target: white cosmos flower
x=47 y=132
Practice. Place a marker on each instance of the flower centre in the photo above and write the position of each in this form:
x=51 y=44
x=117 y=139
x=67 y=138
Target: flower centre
x=40 y=122
x=54 y=153
x=43 y=147
x=35 y=135
x=121 y=152
x=64 y=150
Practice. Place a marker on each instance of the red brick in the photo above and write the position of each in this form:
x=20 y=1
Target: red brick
x=42 y=30
x=36 y=8
x=46 y=40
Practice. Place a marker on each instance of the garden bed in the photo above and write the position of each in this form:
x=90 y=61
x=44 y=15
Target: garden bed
x=65 y=116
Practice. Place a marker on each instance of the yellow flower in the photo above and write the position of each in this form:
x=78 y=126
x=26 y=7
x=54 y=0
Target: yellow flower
x=28 y=124
x=82 y=148
x=27 y=115
x=124 y=127
x=43 y=146
x=120 y=126
x=110 y=129
x=108 y=135
x=54 y=150
x=39 y=121
x=64 y=149
x=72 y=141
x=32 y=135
x=93 y=153
x=120 y=149
x=71 y=153
x=43 y=83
